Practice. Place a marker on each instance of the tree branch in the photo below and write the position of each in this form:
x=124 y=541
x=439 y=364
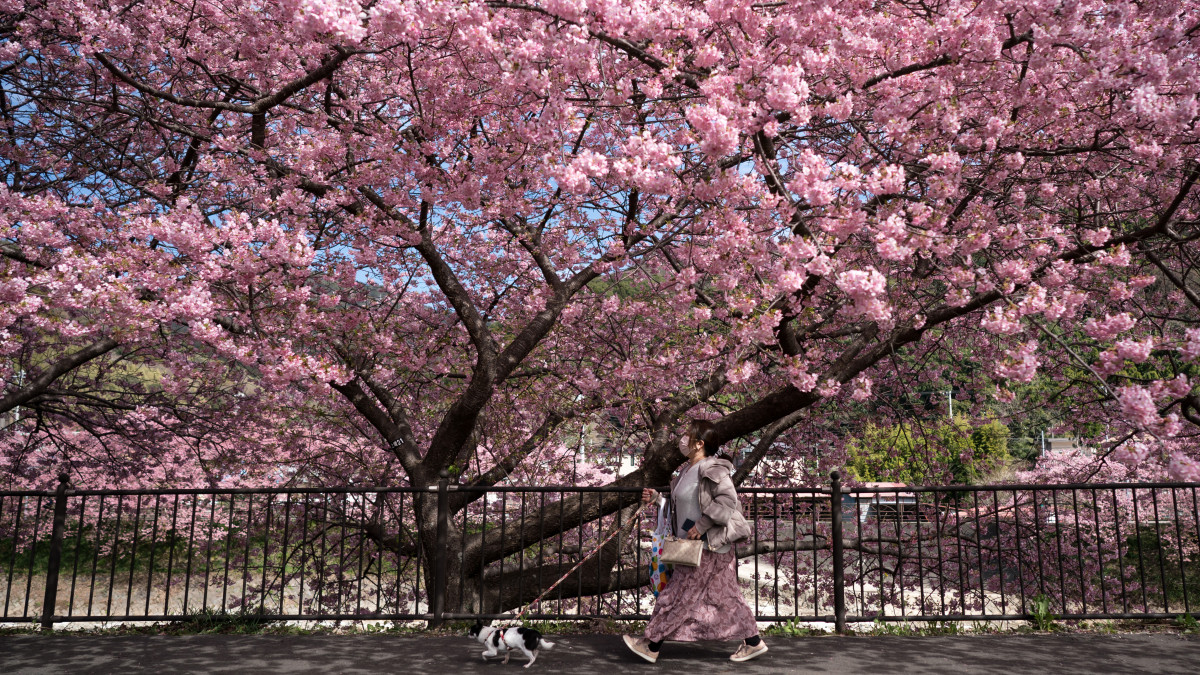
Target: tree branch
x=63 y=366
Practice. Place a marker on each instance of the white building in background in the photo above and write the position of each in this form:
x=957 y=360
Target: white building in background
x=1059 y=444
x=628 y=464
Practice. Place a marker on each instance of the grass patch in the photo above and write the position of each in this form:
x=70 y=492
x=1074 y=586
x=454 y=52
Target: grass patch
x=792 y=628
x=926 y=629
x=1188 y=624
x=80 y=553
x=222 y=623
x=1170 y=572
x=1043 y=619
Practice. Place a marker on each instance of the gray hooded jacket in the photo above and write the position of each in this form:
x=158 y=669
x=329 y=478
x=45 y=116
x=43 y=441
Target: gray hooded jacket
x=722 y=520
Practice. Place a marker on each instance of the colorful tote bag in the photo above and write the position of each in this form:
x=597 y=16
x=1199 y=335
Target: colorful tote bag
x=659 y=572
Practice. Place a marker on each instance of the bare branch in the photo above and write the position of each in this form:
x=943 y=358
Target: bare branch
x=39 y=384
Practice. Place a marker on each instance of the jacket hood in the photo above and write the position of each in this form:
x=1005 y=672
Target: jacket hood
x=713 y=468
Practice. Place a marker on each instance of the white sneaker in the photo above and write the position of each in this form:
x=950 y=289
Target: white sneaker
x=641 y=647
x=746 y=652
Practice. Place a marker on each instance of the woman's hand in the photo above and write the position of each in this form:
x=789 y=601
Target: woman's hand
x=694 y=533
x=649 y=495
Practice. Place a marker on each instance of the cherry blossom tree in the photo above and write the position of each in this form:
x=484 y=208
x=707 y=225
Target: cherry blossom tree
x=420 y=236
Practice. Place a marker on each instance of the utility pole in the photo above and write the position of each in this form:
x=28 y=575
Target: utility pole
x=950 y=398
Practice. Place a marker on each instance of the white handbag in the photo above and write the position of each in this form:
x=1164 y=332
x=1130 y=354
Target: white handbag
x=684 y=552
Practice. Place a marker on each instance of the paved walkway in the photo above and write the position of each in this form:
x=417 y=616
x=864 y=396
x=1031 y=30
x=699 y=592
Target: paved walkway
x=598 y=654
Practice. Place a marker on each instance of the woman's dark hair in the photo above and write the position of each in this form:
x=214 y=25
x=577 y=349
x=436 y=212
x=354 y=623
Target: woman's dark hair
x=703 y=430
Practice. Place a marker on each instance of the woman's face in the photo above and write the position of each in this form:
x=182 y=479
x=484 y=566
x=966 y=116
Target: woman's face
x=689 y=445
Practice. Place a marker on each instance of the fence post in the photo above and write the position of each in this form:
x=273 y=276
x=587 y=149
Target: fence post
x=50 y=599
x=839 y=577
x=440 y=553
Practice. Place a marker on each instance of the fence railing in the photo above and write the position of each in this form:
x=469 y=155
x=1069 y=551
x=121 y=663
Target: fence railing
x=825 y=554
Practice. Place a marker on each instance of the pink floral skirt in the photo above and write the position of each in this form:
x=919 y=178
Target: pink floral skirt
x=702 y=603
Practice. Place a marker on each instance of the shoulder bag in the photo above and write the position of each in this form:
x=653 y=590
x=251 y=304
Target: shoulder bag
x=684 y=552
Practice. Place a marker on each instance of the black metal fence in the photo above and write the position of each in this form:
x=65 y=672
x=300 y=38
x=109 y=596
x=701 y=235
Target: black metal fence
x=827 y=554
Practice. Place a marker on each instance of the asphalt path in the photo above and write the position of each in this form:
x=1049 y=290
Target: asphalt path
x=600 y=654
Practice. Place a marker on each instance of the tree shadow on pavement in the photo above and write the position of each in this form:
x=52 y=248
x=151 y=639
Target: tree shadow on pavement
x=598 y=654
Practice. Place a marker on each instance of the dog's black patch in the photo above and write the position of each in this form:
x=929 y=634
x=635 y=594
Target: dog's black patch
x=476 y=629
x=496 y=637
x=531 y=636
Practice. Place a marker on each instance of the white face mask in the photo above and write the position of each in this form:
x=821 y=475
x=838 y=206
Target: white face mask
x=688 y=449
x=684 y=446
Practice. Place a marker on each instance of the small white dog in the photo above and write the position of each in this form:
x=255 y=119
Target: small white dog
x=498 y=640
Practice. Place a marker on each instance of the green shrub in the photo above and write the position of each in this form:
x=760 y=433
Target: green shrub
x=931 y=454
x=1159 y=563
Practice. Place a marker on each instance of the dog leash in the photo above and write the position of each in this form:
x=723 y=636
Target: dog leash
x=579 y=564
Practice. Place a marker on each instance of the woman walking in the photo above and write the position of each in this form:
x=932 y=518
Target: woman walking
x=703 y=603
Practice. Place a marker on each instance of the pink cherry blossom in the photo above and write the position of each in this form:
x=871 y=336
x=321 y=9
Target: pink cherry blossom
x=1138 y=406
x=1136 y=351
x=1108 y=327
x=348 y=242
x=1021 y=364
